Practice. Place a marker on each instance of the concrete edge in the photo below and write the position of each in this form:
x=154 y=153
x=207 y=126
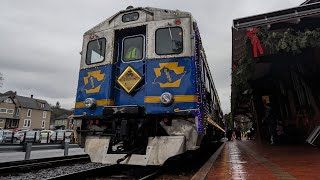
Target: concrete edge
x=203 y=171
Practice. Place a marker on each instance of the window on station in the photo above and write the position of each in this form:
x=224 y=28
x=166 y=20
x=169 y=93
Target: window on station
x=96 y=51
x=133 y=48
x=169 y=41
x=130 y=17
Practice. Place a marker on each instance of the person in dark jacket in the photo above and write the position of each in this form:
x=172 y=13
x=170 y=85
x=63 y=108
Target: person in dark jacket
x=229 y=134
x=238 y=133
x=270 y=121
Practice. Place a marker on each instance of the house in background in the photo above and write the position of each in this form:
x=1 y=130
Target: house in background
x=62 y=122
x=7 y=116
x=74 y=123
x=67 y=122
x=23 y=112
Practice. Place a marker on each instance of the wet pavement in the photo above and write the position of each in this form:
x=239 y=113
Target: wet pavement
x=18 y=156
x=254 y=160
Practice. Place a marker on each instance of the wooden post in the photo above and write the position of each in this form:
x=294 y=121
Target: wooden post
x=28 y=151
x=66 y=148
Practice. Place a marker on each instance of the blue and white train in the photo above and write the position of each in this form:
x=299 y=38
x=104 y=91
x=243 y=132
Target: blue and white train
x=145 y=91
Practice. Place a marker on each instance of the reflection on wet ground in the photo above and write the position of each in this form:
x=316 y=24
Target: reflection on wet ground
x=253 y=160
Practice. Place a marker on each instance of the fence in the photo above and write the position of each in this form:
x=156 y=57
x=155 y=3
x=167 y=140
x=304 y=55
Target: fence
x=38 y=137
x=34 y=141
x=28 y=147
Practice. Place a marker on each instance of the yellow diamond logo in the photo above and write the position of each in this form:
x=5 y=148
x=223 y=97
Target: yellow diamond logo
x=129 y=79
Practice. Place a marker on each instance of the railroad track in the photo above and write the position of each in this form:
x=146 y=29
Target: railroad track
x=112 y=172
x=27 y=165
x=184 y=166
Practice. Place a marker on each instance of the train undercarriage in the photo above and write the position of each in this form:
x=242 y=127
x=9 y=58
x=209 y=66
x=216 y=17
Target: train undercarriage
x=126 y=136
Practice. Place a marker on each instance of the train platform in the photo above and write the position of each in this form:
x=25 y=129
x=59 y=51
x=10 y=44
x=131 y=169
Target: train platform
x=249 y=159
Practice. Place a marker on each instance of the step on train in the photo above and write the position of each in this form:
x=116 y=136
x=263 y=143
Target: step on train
x=145 y=91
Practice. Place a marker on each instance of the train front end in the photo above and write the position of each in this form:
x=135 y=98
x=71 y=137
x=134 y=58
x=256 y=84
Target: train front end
x=137 y=91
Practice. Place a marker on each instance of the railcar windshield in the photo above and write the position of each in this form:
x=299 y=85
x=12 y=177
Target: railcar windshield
x=96 y=51
x=169 y=41
x=133 y=48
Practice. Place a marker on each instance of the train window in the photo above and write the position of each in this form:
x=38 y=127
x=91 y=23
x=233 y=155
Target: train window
x=130 y=17
x=96 y=51
x=169 y=41
x=133 y=48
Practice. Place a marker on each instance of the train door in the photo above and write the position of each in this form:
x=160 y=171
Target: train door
x=130 y=66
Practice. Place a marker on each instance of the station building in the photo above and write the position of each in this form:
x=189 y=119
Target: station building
x=276 y=60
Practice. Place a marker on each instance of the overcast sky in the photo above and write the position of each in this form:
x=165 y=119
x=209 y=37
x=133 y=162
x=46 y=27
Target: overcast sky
x=40 y=40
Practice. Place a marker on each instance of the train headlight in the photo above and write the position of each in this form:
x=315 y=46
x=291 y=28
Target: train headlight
x=90 y=103
x=166 y=98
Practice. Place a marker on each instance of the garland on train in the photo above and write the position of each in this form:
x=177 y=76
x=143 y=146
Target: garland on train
x=289 y=41
x=198 y=78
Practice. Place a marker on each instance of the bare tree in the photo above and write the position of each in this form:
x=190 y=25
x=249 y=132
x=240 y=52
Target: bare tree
x=1 y=79
x=58 y=106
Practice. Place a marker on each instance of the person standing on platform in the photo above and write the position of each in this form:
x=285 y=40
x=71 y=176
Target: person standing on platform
x=280 y=132
x=270 y=121
x=233 y=134
x=238 y=133
x=229 y=134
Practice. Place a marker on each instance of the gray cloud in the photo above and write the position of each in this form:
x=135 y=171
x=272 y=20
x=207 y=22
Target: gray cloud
x=40 y=41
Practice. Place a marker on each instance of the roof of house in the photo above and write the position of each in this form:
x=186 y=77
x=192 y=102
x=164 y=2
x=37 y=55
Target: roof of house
x=2 y=98
x=26 y=102
x=65 y=116
x=32 y=103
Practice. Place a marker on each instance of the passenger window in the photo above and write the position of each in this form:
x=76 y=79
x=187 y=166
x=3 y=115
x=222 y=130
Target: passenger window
x=130 y=17
x=133 y=48
x=96 y=51
x=169 y=41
